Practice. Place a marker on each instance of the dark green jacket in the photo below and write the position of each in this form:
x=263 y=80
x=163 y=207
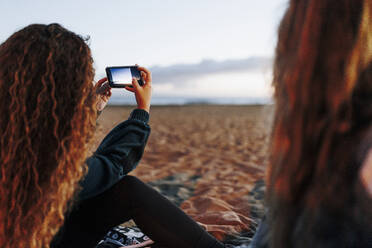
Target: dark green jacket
x=118 y=154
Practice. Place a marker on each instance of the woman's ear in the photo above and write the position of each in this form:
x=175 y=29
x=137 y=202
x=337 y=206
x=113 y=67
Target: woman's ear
x=366 y=173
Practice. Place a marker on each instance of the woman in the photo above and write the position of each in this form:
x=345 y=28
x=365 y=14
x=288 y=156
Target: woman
x=318 y=177
x=48 y=113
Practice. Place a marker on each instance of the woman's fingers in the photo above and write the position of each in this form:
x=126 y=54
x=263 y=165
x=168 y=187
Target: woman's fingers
x=101 y=81
x=135 y=84
x=103 y=89
x=107 y=93
x=143 y=75
x=131 y=89
x=105 y=98
x=140 y=68
x=147 y=78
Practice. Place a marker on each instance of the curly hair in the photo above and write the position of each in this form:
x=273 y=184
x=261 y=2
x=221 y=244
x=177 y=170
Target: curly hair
x=323 y=95
x=47 y=121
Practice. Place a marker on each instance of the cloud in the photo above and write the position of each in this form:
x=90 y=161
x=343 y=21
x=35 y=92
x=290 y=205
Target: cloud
x=185 y=73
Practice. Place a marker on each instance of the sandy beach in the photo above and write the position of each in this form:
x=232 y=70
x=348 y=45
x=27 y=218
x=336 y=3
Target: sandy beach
x=209 y=160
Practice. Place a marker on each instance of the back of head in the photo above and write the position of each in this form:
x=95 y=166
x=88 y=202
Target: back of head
x=47 y=116
x=322 y=74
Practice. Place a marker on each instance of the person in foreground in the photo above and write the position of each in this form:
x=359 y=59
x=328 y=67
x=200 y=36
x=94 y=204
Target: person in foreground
x=48 y=107
x=319 y=181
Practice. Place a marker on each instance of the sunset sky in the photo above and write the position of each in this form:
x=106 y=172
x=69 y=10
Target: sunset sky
x=203 y=49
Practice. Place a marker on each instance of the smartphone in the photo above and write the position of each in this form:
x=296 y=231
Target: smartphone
x=121 y=76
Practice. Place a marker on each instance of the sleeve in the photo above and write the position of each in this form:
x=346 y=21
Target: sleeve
x=118 y=154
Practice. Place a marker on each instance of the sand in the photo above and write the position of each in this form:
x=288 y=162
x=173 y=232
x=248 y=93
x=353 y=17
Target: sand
x=209 y=160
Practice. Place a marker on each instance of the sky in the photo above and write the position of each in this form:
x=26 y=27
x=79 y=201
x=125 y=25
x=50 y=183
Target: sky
x=194 y=48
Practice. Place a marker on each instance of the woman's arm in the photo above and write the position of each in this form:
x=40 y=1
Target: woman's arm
x=118 y=154
x=122 y=149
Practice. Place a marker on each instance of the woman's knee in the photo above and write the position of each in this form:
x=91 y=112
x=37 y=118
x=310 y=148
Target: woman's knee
x=131 y=185
x=130 y=181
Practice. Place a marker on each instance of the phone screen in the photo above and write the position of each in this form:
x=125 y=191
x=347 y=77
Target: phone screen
x=122 y=75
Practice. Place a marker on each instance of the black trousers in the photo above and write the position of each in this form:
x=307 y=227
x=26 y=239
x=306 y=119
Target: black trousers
x=130 y=198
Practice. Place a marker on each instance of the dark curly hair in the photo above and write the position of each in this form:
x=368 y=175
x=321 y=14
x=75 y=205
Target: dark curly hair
x=323 y=95
x=47 y=106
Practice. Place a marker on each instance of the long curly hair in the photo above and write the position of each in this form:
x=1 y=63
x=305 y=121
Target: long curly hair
x=47 y=120
x=323 y=98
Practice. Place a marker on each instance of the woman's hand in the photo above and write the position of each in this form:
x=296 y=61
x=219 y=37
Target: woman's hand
x=142 y=93
x=102 y=97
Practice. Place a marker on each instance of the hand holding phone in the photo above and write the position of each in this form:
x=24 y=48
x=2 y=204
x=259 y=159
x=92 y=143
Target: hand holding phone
x=103 y=91
x=121 y=76
x=142 y=92
x=103 y=88
x=133 y=78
